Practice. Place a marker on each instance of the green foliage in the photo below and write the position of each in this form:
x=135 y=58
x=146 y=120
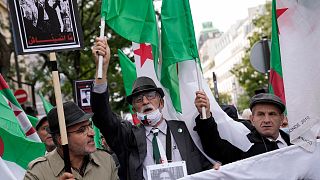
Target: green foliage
x=243 y=102
x=224 y=98
x=248 y=77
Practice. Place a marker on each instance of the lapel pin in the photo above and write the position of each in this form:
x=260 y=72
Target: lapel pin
x=180 y=130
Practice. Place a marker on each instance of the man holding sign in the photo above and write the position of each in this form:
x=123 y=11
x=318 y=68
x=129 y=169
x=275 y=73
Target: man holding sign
x=153 y=141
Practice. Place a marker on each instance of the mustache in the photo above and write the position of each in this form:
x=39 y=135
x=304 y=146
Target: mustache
x=147 y=107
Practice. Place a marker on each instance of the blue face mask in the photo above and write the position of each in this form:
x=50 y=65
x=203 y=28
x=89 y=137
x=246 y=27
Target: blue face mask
x=286 y=130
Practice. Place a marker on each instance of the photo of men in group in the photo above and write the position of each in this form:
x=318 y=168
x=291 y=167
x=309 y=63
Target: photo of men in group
x=46 y=16
x=45 y=23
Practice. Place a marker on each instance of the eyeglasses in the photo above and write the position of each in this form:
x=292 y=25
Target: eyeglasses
x=149 y=95
x=83 y=129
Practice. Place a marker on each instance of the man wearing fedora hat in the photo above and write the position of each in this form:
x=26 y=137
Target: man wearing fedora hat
x=86 y=161
x=138 y=146
x=267 y=117
x=41 y=127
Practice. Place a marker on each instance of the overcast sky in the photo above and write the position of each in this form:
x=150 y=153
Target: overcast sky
x=223 y=13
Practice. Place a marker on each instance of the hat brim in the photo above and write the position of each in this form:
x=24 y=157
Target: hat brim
x=130 y=97
x=40 y=122
x=83 y=118
x=269 y=101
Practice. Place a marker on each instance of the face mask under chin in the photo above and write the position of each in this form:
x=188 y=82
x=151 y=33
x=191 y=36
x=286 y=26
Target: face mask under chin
x=150 y=119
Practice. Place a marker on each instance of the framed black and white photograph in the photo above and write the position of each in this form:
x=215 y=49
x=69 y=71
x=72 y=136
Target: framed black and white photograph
x=45 y=25
x=167 y=171
x=85 y=97
x=83 y=94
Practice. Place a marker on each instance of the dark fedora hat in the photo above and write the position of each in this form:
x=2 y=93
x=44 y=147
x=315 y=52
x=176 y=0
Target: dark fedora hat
x=72 y=113
x=143 y=84
x=40 y=122
x=267 y=98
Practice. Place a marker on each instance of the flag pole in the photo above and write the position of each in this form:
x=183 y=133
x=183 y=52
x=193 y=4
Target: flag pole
x=102 y=29
x=62 y=124
x=203 y=109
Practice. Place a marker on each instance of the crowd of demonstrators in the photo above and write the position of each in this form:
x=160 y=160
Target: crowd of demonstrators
x=133 y=143
x=267 y=117
x=42 y=130
x=86 y=161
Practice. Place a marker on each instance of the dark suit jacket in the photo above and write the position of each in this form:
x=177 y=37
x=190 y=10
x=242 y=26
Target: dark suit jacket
x=129 y=141
x=223 y=151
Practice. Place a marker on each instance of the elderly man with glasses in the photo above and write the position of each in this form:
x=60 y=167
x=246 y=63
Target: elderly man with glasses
x=86 y=161
x=155 y=140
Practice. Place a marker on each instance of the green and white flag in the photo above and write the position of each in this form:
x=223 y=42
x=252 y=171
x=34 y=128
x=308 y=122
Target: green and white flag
x=133 y=20
x=16 y=147
x=179 y=76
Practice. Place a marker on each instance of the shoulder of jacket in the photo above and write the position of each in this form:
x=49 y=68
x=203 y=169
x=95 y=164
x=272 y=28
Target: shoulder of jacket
x=37 y=161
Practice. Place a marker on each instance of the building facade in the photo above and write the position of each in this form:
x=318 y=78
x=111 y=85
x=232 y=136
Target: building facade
x=221 y=54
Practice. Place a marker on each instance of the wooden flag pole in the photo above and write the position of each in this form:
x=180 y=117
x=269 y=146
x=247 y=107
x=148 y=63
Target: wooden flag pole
x=102 y=29
x=203 y=109
x=62 y=124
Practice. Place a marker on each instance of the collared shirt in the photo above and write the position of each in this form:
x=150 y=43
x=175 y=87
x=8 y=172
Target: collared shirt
x=280 y=141
x=162 y=136
x=51 y=166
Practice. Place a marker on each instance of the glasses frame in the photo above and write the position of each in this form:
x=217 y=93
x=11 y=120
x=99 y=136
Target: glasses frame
x=150 y=95
x=83 y=129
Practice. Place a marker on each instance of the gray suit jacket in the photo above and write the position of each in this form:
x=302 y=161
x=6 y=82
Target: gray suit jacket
x=129 y=141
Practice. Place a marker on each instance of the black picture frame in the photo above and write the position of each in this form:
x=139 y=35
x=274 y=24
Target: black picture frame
x=82 y=92
x=45 y=25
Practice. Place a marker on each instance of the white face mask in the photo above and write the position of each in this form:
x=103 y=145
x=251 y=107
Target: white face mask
x=150 y=119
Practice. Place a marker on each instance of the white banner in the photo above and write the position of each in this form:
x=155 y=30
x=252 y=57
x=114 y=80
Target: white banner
x=290 y=163
x=299 y=33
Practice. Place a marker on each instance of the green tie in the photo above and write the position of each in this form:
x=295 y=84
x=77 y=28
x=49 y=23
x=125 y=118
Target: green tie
x=156 y=151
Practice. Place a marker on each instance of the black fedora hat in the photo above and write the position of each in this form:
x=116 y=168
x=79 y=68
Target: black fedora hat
x=267 y=98
x=72 y=113
x=143 y=84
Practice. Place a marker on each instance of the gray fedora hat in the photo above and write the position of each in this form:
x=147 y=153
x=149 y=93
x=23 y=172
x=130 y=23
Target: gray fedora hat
x=143 y=84
x=72 y=113
x=267 y=98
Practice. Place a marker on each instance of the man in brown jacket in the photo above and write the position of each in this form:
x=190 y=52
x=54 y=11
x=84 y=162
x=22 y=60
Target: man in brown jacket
x=86 y=161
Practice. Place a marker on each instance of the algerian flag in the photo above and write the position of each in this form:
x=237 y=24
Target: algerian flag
x=129 y=76
x=16 y=149
x=134 y=20
x=299 y=31
x=144 y=64
x=21 y=116
x=180 y=76
x=275 y=80
x=177 y=43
